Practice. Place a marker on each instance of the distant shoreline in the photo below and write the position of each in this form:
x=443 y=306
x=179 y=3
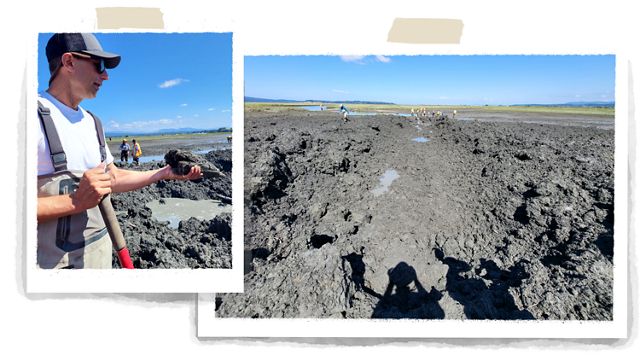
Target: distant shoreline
x=165 y=134
x=575 y=110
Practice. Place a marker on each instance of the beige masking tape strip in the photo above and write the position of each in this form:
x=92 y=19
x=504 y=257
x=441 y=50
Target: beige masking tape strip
x=139 y=18
x=426 y=31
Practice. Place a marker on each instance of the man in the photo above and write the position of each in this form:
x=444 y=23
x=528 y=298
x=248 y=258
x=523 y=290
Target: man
x=124 y=151
x=344 y=112
x=75 y=171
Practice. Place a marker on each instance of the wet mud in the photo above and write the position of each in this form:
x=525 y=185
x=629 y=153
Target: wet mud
x=195 y=243
x=509 y=219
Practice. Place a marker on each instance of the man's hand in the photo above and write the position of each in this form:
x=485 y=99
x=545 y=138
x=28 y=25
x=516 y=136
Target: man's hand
x=194 y=173
x=94 y=185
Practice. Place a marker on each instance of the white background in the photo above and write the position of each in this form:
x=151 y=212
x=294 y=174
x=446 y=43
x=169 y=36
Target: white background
x=112 y=326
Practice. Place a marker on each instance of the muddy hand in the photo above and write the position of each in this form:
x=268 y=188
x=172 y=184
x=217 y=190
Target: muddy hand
x=182 y=163
x=187 y=169
x=94 y=185
x=183 y=172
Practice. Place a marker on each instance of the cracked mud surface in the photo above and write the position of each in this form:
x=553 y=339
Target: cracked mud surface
x=509 y=219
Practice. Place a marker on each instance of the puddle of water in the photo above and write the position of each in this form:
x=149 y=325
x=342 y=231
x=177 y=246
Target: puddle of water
x=313 y=108
x=402 y=114
x=420 y=140
x=151 y=158
x=175 y=210
x=385 y=181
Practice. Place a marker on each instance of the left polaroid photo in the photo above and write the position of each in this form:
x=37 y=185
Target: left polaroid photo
x=130 y=163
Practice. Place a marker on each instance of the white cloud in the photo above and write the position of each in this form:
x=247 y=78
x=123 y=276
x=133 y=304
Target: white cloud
x=114 y=125
x=211 y=109
x=171 y=83
x=353 y=59
x=179 y=116
x=359 y=59
x=339 y=91
x=196 y=115
x=226 y=110
x=149 y=124
x=184 y=104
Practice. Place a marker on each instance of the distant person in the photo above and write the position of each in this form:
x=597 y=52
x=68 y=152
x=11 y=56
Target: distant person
x=136 y=152
x=75 y=168
x=344 y=112
x=124 y=151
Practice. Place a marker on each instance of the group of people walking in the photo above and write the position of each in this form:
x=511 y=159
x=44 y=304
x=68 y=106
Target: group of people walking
x=135 y=150
x=422 y=113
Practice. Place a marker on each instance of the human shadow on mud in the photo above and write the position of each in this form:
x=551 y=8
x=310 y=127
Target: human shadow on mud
x=399 y=299
x=479 y=300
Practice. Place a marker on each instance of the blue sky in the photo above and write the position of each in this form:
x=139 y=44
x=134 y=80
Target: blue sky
x=173 y=80
x=435 y=79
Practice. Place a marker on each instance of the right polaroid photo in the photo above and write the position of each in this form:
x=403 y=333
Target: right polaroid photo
x=431 y=187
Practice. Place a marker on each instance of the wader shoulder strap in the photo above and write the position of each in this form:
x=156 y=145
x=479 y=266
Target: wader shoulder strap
x=103 y=149
x=58 y=157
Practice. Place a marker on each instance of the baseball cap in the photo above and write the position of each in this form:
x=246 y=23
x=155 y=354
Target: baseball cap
x=84 y=43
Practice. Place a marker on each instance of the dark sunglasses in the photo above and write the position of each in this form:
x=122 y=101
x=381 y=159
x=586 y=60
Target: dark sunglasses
x=100 y=66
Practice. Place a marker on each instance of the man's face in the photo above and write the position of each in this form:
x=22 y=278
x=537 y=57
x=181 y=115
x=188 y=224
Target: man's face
x=87 y=78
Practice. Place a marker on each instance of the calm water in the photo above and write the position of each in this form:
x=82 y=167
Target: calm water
x=385 y=181
x=175 y=210
x=316 y=108
x=420 y=139
x=312 y=108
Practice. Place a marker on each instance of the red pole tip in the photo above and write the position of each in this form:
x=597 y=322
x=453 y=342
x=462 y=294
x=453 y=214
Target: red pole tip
x=125 y=258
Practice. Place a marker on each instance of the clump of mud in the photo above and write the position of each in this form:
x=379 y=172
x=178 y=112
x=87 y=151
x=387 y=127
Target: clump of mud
x=486 y=220
x=196 y=243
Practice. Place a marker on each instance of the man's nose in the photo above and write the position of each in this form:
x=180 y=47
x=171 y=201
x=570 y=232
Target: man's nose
x=104 y=75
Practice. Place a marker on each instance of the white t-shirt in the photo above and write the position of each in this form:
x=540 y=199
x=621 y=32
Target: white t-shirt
x=77 y=132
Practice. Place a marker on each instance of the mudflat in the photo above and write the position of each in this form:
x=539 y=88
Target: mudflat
x=195 y=242
x=386 y=216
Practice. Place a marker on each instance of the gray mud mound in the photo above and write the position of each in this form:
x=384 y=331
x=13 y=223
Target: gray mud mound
x=195 y=243
x=482 y=220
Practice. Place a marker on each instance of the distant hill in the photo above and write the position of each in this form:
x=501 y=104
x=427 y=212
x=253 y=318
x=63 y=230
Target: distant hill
x=594 y=104
x=118 y=134
x=265 y=100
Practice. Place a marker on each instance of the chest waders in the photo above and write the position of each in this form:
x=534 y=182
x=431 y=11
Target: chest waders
x=80 y=240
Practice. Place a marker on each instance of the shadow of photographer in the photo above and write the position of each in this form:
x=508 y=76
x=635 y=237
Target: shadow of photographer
x=400 y=300
x=482 y=301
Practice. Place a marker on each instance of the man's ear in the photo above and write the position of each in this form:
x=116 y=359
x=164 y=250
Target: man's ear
x=67 y=60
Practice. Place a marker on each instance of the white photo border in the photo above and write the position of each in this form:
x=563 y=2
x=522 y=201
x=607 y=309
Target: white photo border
x=138 y=280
